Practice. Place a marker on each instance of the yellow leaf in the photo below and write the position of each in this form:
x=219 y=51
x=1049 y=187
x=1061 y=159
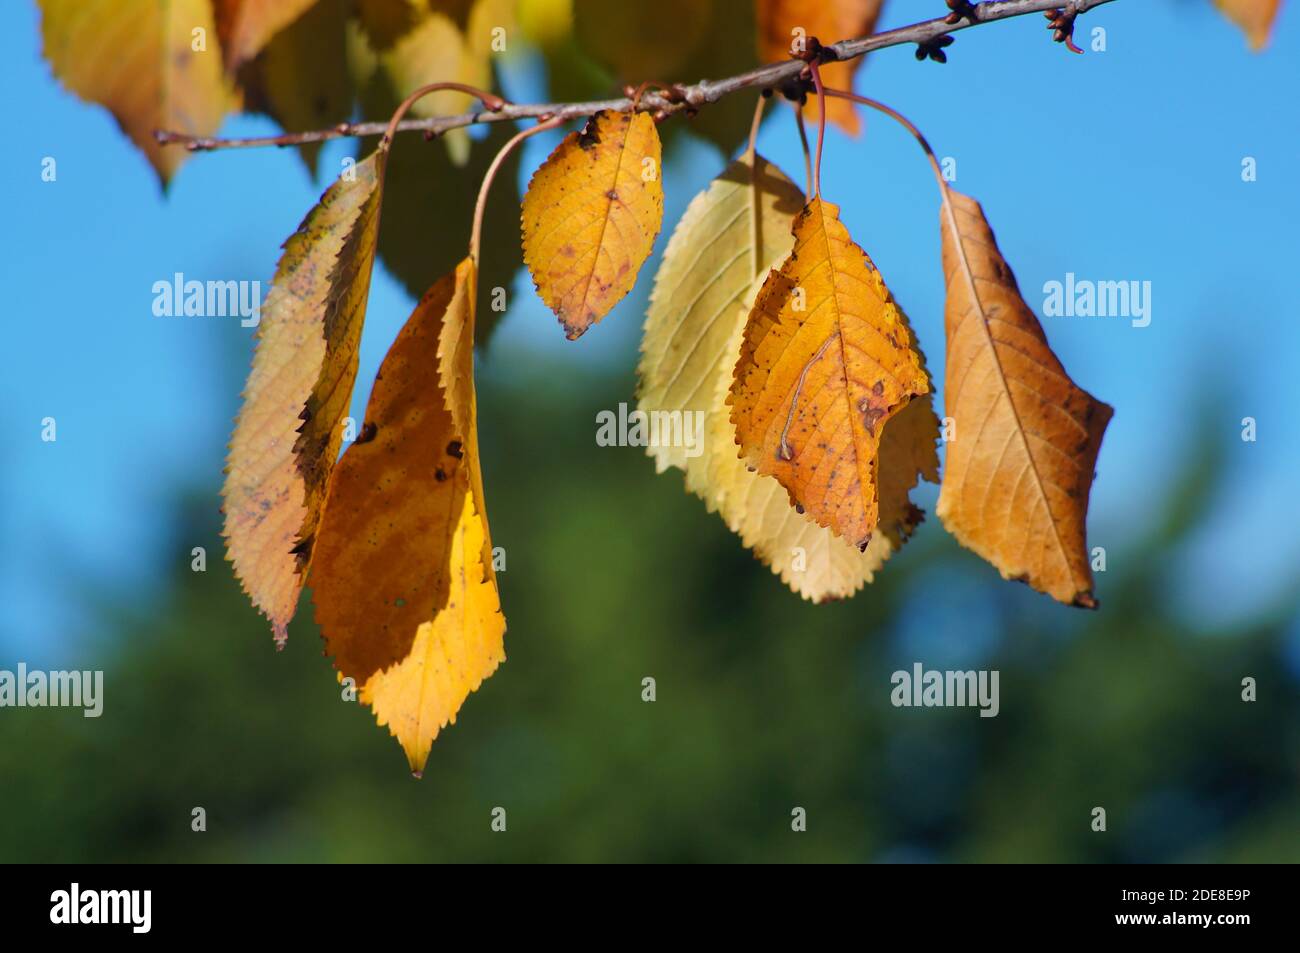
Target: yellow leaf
x=826 y=360
x=591 y=214
x=729 y=233
x=702 y=296
x=418 y=43
x=402 y=574
x=781 y=22
x=1255 y=17
x=139 y=59
x=289 y=430
x=1019 y=466
x=246 y=26
x=456 y=377
x=811 y=559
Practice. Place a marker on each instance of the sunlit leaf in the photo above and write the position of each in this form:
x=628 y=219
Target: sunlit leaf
x=826 y=361
x=591 y=214
x=1019 y=466
x=290 y=427
x=402 y=575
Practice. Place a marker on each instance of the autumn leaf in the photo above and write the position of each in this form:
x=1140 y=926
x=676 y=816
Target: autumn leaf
x=139 y=59
x=402 y=574
x=591 y=214
x=416 y=44
x=1019 y=466
x=827 y=359
x=702 y=296
x=246 y=26
x=811 y=559
x=782 y=21
x=1255 y=17
x=286 y=82
x=737 y=226
x=289 y=430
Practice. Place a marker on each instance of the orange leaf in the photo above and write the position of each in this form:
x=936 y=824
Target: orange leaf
x=1020 y=464
x=245 y=26
x=781 y=22
x=288 y=433
x=591 y=215
x=138 y=59
x=1255 y=17
x=402 y=574
x=826 y=360
x=702 y=297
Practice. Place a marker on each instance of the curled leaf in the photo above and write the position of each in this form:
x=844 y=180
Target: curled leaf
x=591 y=214
x=826 y=361
x=1019 y=465
x=290 y=429
x=402 y=575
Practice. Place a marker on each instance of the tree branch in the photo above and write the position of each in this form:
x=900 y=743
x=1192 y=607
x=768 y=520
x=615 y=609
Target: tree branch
x=682 y=98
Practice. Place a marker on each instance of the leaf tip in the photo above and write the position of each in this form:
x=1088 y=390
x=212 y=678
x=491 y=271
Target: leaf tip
x=1086 y=600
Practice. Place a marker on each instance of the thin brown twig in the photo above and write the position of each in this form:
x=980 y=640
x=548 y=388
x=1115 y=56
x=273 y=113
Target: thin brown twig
x=490 y=101
x=685 y=98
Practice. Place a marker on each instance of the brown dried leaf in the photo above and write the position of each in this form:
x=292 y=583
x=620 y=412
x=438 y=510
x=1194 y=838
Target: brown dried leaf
x=1020 y=465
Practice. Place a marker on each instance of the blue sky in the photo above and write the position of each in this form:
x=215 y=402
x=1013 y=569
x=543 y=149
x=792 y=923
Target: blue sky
x=1116 y=165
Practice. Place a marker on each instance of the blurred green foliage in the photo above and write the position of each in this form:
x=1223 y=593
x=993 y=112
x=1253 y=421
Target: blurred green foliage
x=763 y=703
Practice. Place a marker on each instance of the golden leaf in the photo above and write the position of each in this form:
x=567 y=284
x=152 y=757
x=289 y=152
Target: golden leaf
x=417 y=43
x=826 y=360
x=591 y=214
x=138 y=59
x=1019 y=466
x=702 y=296
x=1255 y=17
x=737 y=226
x=289 y=430
x=782 y=21
x=246 y=26
x=811 y=559
x=402 y=573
